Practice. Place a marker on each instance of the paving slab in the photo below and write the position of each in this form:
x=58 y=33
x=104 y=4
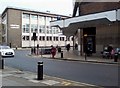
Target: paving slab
x=15 y=77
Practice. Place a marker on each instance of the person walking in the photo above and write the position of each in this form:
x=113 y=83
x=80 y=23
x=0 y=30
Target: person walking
x=37 y=49
x=68 y=47
x=53 y=51
x=112 y=53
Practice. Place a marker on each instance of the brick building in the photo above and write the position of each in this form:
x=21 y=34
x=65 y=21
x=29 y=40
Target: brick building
x=94 y=24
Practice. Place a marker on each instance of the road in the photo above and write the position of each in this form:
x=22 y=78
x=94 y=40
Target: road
x=92 y=73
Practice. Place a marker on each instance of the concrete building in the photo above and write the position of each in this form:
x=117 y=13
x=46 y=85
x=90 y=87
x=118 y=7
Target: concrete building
x=20 y=24
x=97 y=25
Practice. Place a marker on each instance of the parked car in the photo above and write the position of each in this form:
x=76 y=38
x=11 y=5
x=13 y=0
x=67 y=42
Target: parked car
x=45 y=51
x=6 y=51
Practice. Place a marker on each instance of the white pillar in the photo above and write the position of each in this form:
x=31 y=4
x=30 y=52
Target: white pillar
x=79 y=47
x=30 y=35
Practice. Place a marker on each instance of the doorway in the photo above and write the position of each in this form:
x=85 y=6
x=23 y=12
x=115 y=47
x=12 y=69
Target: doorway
x=89 y=40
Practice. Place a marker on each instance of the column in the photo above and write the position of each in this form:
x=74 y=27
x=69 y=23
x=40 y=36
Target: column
x=79 y=47
x=73 y=43
x=30 y=35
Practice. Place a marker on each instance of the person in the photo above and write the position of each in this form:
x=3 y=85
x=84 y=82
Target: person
x=37 y=49
x=112 y=53
x=110 y=48
x=68 y=47
x=53 y=51
x=76 y=46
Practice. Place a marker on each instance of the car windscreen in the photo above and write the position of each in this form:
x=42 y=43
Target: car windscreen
x=5 y=47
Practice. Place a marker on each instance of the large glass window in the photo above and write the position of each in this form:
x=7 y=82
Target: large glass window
x=62 y=38
x=48 y=19
x=42 y=28
x=41 y=20
x=34 y=28
x=26 y=16
x=34 y=17
x=25 y=38
x=26 y=28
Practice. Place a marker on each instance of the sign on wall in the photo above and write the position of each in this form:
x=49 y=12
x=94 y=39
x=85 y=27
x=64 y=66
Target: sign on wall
x=14 y=26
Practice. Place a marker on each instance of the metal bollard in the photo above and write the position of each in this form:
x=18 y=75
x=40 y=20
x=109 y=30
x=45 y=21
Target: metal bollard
x=115 y=57
x=1 y=62
x=61 y=54
x=40 y=70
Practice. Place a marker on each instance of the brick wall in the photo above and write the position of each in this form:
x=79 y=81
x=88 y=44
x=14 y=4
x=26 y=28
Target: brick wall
x=98 y=7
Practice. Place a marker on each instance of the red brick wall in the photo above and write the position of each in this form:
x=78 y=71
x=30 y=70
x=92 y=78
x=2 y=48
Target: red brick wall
x=95 y=7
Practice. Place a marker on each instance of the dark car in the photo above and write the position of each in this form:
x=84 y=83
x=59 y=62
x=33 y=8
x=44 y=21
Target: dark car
x=45 y=51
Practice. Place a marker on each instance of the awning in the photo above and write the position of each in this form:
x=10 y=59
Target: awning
x=70 y=25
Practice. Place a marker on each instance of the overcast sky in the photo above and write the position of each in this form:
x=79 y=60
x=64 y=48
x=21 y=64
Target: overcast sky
x=63 y=7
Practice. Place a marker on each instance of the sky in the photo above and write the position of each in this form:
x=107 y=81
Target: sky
x=62 y=7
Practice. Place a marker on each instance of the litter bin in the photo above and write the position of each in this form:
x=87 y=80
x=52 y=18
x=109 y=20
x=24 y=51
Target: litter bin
x=59 y=49
x=115 y=57
x=61 y=54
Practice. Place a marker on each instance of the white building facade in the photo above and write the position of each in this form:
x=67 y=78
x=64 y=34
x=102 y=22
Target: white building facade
x=29 y=22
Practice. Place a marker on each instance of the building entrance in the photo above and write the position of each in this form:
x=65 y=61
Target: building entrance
x=89 y=40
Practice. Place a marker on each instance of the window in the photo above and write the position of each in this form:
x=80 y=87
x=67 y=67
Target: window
x=26 y=28
x=50 y=38
x=33 y=39
x=43 y=37
x=47 y=38
x=40 y=38
x=26 y=16
x=53 y=38
x=27 y=37
x=23 y=37
x=42 y=29
x=34 y=28
x=42 y=20
x=34 y=17
x=56 y=38
x=48 y=19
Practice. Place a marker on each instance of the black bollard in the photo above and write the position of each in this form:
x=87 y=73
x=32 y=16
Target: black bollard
x=2 y=63
x=61 y=54
x=115 y=57
x=40 y=70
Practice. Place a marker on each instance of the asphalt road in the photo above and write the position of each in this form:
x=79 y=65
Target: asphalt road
x=92 y=73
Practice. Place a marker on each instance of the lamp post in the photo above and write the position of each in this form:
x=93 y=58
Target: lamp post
x=85 y=36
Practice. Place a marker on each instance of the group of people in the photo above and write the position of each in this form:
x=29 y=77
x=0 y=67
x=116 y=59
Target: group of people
x=110 y=52
x=53 y=50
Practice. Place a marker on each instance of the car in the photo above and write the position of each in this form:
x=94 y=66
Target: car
x=6 y=51
x=45 y=51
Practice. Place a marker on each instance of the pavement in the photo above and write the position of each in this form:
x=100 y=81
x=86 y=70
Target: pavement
x=71 y=56
x=15 y=77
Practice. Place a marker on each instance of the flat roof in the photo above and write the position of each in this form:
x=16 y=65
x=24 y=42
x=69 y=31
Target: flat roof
x=29 y=10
